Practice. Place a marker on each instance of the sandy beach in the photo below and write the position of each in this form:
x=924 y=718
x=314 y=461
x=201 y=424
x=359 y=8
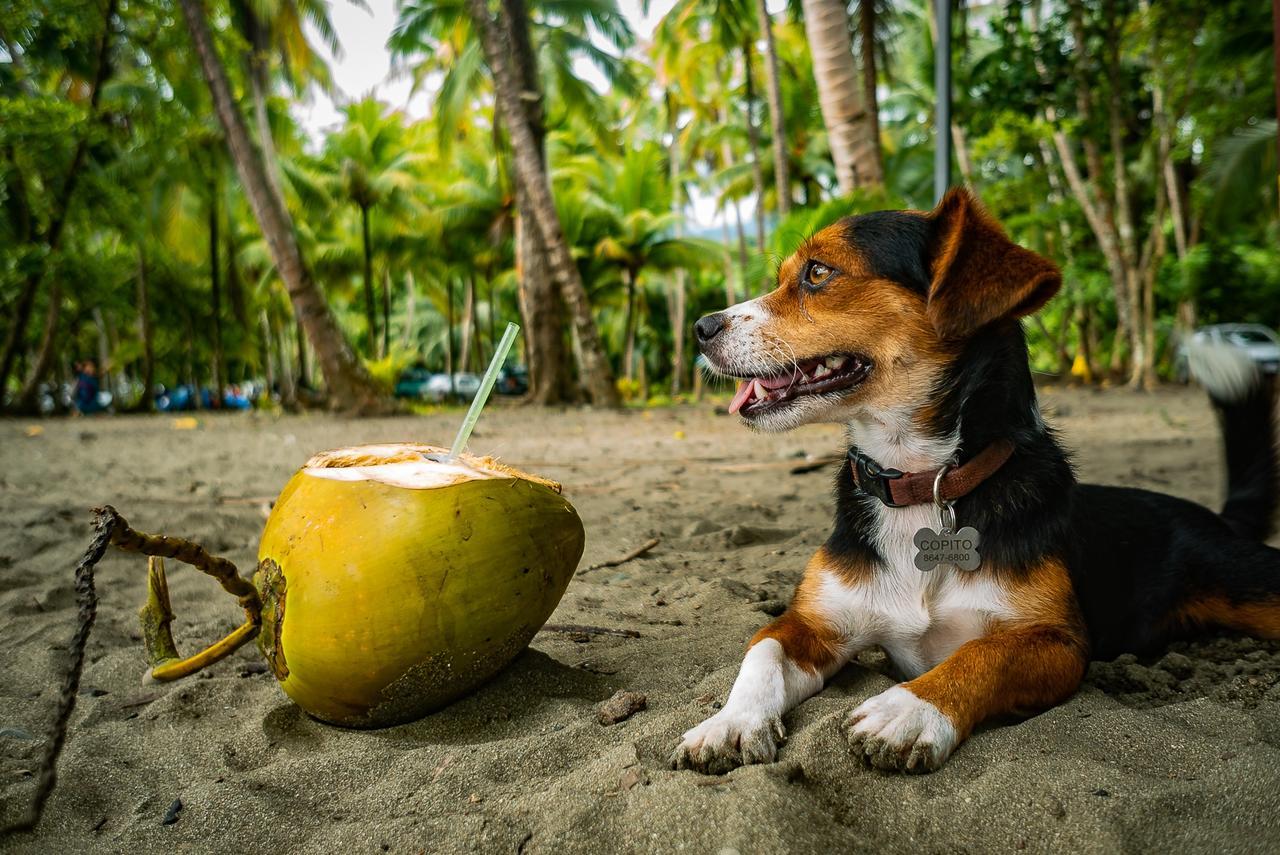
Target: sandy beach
x=1179 y=754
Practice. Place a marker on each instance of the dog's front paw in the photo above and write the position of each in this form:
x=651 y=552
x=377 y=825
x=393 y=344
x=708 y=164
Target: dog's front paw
x=728 y=740
x=897 y=731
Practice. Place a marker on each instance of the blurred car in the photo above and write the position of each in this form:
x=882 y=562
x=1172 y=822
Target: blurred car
x=512 y=381
x=1260 y=343
x=413 y=383
x=463 y=387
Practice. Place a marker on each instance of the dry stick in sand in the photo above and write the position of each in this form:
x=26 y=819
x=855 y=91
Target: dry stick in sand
x=635 y=553
x=114 y=529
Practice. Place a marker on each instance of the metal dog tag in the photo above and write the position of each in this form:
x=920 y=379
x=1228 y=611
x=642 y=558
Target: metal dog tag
x=943 y=548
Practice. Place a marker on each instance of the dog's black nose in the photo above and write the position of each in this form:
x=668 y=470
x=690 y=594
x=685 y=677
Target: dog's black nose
x=708 y=327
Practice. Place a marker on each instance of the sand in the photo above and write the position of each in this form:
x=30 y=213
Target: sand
x=1178 y=754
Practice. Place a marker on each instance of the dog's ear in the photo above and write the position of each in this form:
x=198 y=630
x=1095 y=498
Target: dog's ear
x=978 y=275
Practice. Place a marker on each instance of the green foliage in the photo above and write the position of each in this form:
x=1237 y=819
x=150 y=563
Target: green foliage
x=667 y=125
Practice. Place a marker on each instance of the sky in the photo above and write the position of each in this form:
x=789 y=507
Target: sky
x=365 y=68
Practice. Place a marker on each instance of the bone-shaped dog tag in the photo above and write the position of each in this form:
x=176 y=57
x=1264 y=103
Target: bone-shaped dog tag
x=943 y=548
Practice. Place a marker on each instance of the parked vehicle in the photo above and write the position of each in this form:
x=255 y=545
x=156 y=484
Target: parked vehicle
x=463 y=388
x=1260 y=343
x=512 y=381
x=413 y=383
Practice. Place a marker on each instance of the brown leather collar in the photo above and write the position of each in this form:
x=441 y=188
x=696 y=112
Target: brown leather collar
x=900 y=489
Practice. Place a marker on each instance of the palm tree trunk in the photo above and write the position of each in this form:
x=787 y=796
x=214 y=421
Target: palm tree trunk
x=350 y=386
x=268 y=354
x=753 y=143
x=288 y=388
x=468 y=310
x=679 y=286
x=28 y=397
x=215 y=298
x=448 y=339
x=772 y=84
x=145 y=333
x=409 y=338
x=538 y=294
x=304 y=362
x=870 y=77
x=493 y=313
x=844 y=113
x=730 y=293
x=496 y=35
x=628 y=325
x=370 y=307
x=386 y=312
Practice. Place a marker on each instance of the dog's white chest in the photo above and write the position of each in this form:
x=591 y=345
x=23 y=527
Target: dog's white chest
x=919 y=618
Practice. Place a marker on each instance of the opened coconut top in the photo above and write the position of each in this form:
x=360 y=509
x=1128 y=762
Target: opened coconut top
x=412 y=465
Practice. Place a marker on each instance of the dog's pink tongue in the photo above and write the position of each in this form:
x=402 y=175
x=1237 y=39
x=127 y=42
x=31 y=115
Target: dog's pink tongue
x=778 y=382
x=741 y=396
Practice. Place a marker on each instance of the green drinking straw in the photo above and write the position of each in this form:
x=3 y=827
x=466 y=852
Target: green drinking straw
x=482 y=395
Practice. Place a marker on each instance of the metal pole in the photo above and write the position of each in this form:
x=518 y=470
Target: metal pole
x=942 y=89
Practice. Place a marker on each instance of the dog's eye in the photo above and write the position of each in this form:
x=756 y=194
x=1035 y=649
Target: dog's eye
x=816 y=273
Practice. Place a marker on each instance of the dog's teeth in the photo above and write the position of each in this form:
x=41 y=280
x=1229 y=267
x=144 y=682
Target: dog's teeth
x=835 y=363
x=820 y=372
x=761 y=392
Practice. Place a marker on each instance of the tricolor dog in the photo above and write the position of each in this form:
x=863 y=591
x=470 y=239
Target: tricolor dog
x=962 y=544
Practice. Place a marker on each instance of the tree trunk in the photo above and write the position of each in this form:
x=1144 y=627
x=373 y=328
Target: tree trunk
x=215 y=299
x=304 y=363
x=753 y=143
x=448 y=339
x=52 y=237
x=350 y=386
x=409 y=338
x=629 y=328
x=844 y=112
x=29 y=396
x=871 y=76
x=386 y=312
x=370 y=307
x=468 y=310
x=268 y=354
x=777 y=121
x=538 y=294
x=104 y=352
x=496 y=35
x=730 y=292
x=546 y=355
x=493 y=313
x=259 y=74
x=147 y=403
x=679 y=286
x=288 y=388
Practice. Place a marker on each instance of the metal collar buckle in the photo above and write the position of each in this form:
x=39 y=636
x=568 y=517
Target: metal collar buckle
x=872 y=479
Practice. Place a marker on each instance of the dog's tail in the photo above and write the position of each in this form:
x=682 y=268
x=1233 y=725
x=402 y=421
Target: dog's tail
x=1244 y=399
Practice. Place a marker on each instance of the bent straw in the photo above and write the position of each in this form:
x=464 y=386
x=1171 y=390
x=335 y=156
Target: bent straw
x=486 y=386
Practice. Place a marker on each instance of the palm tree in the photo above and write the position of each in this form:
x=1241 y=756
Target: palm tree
x=845 y=112
x=544 y=49
x=350 y=386
x=495 y=36
x=641 y=231
x=278 y=29
x=781 y=172
x=370 y=166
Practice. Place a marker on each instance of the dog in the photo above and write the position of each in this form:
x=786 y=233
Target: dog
x=905 y=326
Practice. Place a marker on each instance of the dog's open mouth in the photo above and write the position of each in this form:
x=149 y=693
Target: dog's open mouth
x=757 y=395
